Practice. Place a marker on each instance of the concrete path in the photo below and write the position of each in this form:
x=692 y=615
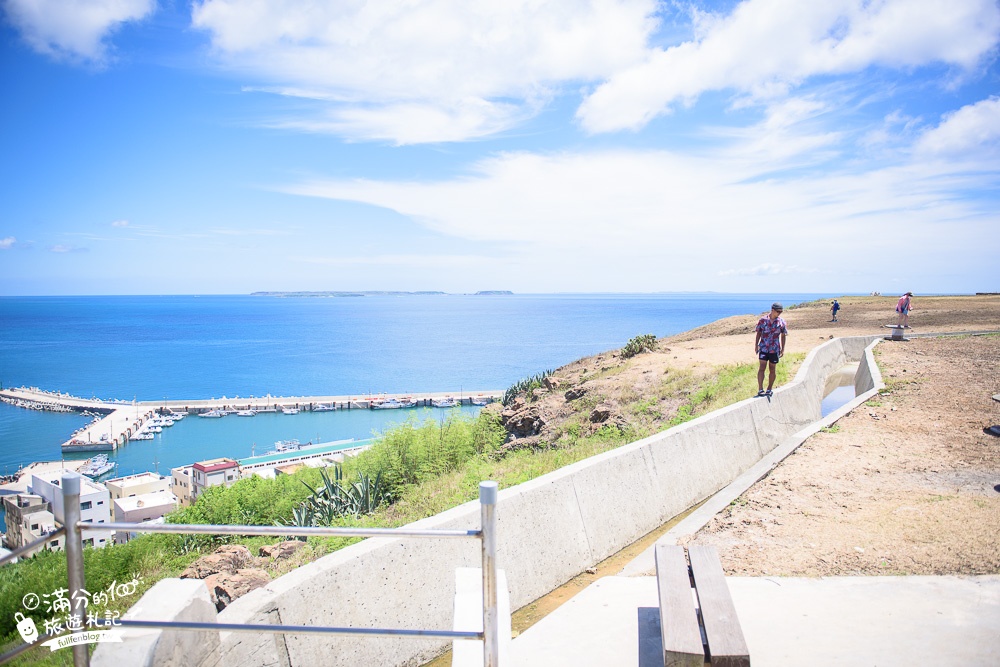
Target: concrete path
x=839 y=621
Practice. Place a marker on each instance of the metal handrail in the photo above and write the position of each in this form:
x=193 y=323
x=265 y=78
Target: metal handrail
x=74 y=528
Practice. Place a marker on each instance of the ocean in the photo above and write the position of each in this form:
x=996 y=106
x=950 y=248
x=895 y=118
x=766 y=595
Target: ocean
x=149 y=348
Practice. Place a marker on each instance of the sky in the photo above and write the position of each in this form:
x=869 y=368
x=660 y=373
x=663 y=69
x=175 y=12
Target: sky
x=765 y=146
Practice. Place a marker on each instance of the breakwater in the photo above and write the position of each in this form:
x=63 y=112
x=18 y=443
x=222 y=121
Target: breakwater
x=117 y=422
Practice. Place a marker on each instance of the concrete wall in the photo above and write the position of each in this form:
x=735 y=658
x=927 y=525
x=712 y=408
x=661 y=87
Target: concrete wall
x=550 y=529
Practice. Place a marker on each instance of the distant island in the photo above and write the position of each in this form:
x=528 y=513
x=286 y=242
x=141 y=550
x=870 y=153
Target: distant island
x=368 y=293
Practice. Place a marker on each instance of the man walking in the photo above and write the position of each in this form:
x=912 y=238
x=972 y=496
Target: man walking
x=770 y=346
x=834 y=307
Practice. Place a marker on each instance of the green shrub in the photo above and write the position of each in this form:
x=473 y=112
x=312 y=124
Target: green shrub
x=638 y=345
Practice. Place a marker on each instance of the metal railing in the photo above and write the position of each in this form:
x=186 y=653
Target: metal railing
x=73 y=528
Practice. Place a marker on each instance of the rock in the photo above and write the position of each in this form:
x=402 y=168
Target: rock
x=575 y=393
x=524 y=423
x=281 y=549
x=227 y=558
x=224 y=587
x=601 y=413
x=553 y=383
x=538 y=393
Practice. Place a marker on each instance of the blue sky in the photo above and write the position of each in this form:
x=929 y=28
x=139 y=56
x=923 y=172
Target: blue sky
x=169 y=147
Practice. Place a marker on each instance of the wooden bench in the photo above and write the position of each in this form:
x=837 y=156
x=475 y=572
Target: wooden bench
x=698 y=621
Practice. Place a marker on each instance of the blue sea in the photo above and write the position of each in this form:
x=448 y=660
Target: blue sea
x=150 y=348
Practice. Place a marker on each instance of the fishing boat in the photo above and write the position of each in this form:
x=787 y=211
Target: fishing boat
x=480 y=401
x=212 y=414
x=290 y=411
x=324 y=407
x=97 y=466
x=446 y=402
x=246 y=413
x=393 y=404
x=283 y=446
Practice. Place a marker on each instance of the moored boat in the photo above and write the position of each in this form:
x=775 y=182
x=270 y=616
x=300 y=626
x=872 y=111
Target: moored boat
x=97 y=466
x=446 y=402
x=212 y=414
x=393 y=404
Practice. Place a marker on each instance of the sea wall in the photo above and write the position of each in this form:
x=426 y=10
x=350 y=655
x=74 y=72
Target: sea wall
x=550 y=529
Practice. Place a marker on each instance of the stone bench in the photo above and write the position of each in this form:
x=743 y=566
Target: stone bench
x=698 y=621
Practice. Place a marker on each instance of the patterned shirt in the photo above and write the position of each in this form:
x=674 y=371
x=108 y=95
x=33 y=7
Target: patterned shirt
x=770 y=331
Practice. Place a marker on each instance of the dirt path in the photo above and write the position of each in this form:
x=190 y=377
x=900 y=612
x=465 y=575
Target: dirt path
x=909 y=483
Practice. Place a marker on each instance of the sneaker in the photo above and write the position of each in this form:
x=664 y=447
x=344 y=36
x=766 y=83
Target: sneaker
x=768 y=393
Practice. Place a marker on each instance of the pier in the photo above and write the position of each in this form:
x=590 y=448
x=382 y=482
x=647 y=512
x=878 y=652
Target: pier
x=119 y=421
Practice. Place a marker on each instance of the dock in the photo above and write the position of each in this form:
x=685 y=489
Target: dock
x=119 y=421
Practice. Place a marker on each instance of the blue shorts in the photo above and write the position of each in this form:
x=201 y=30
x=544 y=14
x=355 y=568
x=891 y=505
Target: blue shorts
x=903 y=311
x=768 y=356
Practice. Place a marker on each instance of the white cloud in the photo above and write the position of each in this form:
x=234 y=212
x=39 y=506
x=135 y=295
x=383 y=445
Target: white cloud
x=73 y=29
x=7 y=243
x=633 y=217
x=767 y=47
x=426 y=70
x=973 y=130
x=120 y=223
x=60 y=248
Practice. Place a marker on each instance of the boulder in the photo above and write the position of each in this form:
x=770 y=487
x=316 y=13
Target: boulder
x=524 y=423
x=601 y=413
x=227 y=558
x=224 y=587
x=281 y=549
x=553 y=383
x=575 y=393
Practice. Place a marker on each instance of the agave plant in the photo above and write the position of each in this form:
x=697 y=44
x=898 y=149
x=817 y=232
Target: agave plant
x=334 y=499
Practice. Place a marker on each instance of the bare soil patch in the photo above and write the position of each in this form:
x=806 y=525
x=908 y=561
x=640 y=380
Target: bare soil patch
x=908 y=483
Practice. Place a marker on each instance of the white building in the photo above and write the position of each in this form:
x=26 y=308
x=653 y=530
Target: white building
x=142 y=508
x=137 y=485
x=95 y=503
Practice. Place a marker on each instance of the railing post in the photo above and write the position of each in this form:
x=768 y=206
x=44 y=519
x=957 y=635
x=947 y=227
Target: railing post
x=491 y=628
x=74 y=557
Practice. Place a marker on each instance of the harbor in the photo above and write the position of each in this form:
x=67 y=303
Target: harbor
x=118 y=422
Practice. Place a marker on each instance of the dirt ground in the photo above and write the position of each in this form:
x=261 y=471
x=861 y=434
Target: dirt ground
x=908 y=483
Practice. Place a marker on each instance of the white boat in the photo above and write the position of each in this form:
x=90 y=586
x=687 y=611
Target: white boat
x=446 y=402
x=282 y=446
x=246 y=413
x=290 y=411
x=97 y=466
x=323 y=407
x=153 y=429
x=212 y=413
x=142 y=435
x=176 y=415
x=480 y=401
x=393 y=404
